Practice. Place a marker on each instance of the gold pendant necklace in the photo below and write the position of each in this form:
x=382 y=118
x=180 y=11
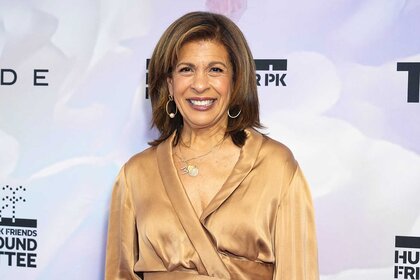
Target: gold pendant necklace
x=192 y=169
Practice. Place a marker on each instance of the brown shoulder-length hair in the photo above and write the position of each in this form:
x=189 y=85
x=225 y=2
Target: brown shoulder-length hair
x=244 y=97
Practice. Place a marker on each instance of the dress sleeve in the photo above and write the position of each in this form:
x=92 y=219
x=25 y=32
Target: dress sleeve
x=295 y=239
x=121 y=251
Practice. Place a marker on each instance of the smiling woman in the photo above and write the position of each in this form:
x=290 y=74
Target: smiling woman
x=212 y=198
x=201 y=85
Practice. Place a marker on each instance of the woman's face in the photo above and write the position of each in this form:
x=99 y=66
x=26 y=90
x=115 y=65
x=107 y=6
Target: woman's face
x=201 y=84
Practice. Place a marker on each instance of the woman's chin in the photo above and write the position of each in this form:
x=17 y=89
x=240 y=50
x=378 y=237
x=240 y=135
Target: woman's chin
x=205 y=124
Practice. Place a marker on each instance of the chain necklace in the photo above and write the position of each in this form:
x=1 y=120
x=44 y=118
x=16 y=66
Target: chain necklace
x=192 y=169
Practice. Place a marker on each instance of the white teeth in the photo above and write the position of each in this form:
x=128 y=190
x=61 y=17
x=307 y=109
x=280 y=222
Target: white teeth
x=201 y=102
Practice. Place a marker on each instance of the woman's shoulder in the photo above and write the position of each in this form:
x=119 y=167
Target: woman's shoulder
x=275 y=149
x=145 y=157
x=277 y=159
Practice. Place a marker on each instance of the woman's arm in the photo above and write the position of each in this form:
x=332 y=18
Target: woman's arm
x=295 y=238
x=121 y=251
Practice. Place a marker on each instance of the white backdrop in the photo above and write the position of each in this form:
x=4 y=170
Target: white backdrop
x=343 y=112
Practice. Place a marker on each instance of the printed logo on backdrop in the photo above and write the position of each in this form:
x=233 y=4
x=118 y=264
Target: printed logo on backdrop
x=407 y=257
x=18 y=244
x=147 y=78
x=413 y=69
x=9 y=77
x=270 y=73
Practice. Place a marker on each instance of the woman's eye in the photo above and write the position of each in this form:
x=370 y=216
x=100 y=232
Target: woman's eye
x=216 y=69
x=185 y=69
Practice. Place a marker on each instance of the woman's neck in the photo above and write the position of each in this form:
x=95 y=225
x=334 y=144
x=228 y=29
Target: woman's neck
x=201 y=139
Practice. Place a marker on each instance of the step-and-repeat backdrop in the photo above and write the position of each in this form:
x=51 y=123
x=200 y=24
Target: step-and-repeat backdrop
x=338 y=84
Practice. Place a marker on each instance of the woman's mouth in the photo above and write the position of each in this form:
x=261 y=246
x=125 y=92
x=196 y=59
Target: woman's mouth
x=201 y=104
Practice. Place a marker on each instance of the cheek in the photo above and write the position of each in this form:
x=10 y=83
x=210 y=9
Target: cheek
x=222 y=86
x=226 y=89
x=179 y=86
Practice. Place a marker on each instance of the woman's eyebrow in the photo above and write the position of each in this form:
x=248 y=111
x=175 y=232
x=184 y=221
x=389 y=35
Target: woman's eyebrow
x=211 y=63
x=217 y=62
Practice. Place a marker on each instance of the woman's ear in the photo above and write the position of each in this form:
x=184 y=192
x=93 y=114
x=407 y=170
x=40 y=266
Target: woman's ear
x=170 y=86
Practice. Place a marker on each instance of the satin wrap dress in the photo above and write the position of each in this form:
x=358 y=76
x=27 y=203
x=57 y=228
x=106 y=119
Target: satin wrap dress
x=260 y=225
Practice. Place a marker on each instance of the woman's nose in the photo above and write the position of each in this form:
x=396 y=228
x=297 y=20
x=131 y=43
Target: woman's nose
x=200 y=82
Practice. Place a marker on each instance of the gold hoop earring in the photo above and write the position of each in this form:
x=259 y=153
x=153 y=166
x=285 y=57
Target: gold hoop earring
x=235 y=116
x=171 y=115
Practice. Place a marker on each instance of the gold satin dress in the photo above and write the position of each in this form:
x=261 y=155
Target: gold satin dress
x=260 y=225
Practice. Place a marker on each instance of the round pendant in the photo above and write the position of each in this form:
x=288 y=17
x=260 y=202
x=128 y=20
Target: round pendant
x=192 y=170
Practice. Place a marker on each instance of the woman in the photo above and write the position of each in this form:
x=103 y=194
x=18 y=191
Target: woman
x=212 y=198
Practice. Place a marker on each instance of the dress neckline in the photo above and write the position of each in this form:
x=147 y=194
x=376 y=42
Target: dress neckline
x=175 y=189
